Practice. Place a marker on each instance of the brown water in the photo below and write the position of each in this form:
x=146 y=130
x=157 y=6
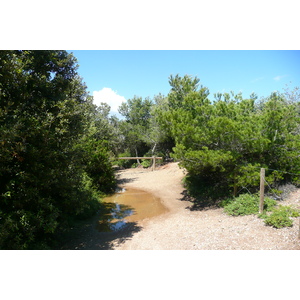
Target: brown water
x=132 y=205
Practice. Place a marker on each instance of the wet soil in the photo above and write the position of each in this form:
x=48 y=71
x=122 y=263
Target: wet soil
x=120 y=217
x=130 y=205
x=182 y=228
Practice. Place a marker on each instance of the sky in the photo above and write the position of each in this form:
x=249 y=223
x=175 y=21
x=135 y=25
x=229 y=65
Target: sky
x=114 y=76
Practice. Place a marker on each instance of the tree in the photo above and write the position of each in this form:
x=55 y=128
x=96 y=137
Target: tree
x=281 y=128
x=180 y=87
x=136 y=124
x=45 y=113
x=223 y=143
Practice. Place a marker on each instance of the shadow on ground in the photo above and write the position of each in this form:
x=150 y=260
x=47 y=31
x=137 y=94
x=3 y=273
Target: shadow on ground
x=121 y=181
x=199 y=203
x=86 y=236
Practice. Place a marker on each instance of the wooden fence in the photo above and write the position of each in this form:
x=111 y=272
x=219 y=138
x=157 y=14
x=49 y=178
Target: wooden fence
x=154 y=158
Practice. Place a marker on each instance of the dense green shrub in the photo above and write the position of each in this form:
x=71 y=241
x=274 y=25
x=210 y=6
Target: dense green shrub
x=247 y=204
x=97 y=165
x=281 y=217
x=146 y=163
x=46 y=178
x=230 y=138
x=201 y=188
x=124 y=163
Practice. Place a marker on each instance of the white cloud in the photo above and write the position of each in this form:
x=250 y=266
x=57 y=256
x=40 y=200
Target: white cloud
x=277 y=78
x=257 y=79
x=107 y=95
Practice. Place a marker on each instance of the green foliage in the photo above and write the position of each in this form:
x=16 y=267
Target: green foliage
x=247 y=204
x=136 y=124
x=232 y=138
x=202 y=191
x=226 y=201
x=203 y=160
x=180 y=87
x=281 y=217
x=248 y=175
x=56 y=146
x=146 y=163
x=46 y=178
x=143 y=131
x=124 y=163
x=97 y=165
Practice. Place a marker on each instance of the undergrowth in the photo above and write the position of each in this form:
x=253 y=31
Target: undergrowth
x=281 y=217
x=247 y=204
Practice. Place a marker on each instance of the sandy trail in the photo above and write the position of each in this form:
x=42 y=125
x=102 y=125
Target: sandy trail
x=183 y=229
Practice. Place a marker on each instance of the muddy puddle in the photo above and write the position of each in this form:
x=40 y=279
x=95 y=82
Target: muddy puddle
x=127 y=206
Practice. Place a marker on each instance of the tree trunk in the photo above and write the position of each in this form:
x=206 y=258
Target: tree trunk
x=153 y=149
x=136 y=153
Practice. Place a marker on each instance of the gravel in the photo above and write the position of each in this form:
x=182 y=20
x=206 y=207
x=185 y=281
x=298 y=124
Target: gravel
x=182 y=228
x=212 y=229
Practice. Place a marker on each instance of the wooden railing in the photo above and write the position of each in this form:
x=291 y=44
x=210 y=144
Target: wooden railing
x=154 y=158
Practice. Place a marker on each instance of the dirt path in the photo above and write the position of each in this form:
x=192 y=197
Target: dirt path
x=184 y=229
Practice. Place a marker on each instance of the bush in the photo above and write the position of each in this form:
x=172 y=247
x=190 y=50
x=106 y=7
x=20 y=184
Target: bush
x=202 y=189
x=243 y=205
x=247 y=204
x=49 y=175
x=124 y=163
x=226 y=201
x=280 y=217
x=98 y=166
x=146 y=163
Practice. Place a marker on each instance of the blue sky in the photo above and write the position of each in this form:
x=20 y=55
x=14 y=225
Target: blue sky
x=114 y=76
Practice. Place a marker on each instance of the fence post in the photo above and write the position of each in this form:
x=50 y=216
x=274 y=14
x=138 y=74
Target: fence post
x=153 y=163
x=262 y=190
